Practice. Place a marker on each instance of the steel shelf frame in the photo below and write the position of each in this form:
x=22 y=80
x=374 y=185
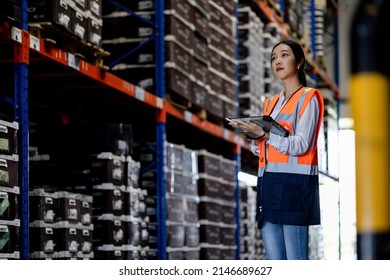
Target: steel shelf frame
x=24 y=43
x=237 y=152
x=313 y=36
x=160 y=132
x=21 y=59
x=160 y=115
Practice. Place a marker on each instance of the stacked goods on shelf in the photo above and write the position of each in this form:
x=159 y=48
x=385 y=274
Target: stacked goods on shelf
x=78 y=18
x=313 y=36
x=75 y=25
x=256 y=80
x=317 y=27
x=271 y=36
x=181 y=198
x=139 y=68
x=57 y=13
x=292 y=15
x=119 y=213
x=63 y=141
x=9 y=191
x=316 y=243
x=228 y=224
x=251 y=62
x=251 y=243
x=11 y=11
x=94 y=22
x=200 y=61
x=314 y=49
x=200 y=69
x=95 y=160
x=60 y=225
x=222 y=54
x=182 y=203
x=200 y=202
x=216 y=187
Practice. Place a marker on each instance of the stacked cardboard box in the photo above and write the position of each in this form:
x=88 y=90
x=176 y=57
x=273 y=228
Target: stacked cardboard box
x=9 y=191
x=217 y=193
x=200 y=62
x=60 y=225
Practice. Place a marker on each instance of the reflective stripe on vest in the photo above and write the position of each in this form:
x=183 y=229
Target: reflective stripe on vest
x=288 y=118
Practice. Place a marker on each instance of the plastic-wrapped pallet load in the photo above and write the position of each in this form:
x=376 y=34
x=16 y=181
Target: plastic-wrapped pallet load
x=61 y=225
x=9 y=239
x=9 y=192
x=251 y=61
x=11 y=10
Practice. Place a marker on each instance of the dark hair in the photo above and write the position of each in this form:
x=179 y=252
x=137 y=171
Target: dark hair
x=299 y=56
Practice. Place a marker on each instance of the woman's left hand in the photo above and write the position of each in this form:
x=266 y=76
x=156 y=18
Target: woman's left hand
x=247 y=126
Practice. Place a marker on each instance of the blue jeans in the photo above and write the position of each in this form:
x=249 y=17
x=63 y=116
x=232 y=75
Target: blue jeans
x=285 y=242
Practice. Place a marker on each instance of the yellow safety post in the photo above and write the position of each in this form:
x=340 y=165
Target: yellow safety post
x=369 y=91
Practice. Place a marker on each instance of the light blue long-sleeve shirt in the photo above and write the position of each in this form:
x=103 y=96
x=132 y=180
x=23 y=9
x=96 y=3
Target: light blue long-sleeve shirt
x=305 y=130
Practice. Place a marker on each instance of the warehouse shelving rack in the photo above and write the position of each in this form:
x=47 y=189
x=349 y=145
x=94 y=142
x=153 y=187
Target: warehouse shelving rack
x=21 y=56
x=320 y=73
x=27 y=46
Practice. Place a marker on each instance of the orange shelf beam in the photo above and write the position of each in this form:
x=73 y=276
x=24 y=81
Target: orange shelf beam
x=67 y=59
x=204 y=125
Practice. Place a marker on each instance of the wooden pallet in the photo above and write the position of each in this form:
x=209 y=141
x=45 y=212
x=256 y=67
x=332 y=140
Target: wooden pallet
x=69 y=42
x=183 y=104
x=178 y=101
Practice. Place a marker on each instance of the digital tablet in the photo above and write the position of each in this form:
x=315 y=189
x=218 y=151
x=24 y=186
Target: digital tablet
x=266 y=122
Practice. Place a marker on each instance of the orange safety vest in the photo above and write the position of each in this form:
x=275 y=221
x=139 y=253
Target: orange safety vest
x=288 y=117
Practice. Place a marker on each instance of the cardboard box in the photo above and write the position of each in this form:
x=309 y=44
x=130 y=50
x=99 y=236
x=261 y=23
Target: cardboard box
x=9 y=137
x=58 y=12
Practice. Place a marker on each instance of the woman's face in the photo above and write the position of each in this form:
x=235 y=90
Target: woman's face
x=283 y=62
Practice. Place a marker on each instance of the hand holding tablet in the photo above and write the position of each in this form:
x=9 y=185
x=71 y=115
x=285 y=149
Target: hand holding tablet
x=266 y=122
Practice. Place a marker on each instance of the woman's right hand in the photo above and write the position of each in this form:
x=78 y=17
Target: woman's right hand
x=247 y=126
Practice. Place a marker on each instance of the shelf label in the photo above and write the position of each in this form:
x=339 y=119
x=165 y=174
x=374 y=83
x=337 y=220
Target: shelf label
x=159 y=102
x=16 y=34
x=35 y=43
x=188 y=116
x=73 y=61
x=226 y=134
x=140 y=93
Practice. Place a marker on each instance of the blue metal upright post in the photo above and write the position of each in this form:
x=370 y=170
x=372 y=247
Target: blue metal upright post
x=21 y=115
x=313 y=35
x=282 y=6
x=238 y=59
x=160 y=131
x=313 y=27
x=237 y=151
x=237 y=158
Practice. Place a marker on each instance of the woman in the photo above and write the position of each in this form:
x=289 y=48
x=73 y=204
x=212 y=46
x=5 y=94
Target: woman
x=288 y=185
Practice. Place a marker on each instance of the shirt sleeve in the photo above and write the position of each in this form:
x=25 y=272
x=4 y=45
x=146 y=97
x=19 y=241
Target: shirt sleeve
x=305 y=131
x=254 y=148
